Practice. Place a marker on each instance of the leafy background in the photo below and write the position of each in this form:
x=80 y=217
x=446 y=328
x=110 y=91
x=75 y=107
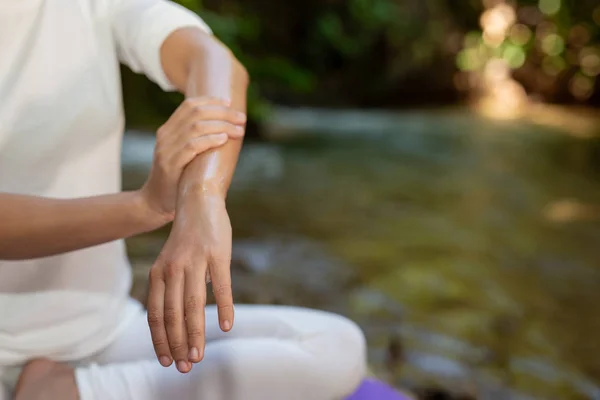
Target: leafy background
x=390 y=53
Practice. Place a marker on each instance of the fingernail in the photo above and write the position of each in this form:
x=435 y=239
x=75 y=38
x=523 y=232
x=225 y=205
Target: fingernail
x=226 y=325
x=182 y=366
x=193 y=356
x=222 y=137
x=164 y=361
x=241 y=116
x=240 y=128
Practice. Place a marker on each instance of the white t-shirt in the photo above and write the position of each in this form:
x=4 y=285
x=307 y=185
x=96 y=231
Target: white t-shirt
x=61 y=127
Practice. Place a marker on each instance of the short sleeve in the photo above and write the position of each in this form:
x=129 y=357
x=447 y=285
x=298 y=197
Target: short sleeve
x=141 y=26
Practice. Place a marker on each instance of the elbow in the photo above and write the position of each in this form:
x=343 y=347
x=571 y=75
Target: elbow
x=211 y=46
x=240 y=71
x=222 y=55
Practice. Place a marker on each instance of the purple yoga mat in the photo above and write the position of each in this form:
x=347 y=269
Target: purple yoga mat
x=372 y=389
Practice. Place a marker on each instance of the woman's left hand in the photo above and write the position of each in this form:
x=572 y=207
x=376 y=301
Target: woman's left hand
x=198 y=247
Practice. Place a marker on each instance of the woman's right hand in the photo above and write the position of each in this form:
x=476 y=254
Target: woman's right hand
x=198 y=125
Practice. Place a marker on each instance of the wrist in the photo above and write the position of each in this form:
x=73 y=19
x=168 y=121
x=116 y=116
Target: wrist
x=203 y=191
x=146 y=215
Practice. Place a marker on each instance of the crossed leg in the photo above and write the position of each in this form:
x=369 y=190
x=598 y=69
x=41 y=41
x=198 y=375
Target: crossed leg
x=273 y=352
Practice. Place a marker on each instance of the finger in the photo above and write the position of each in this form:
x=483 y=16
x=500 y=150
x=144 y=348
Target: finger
x=156 y=321
x=217 y=112
x=203 y=128
x=174 y=317
x=221 y=284
x=188 y=107
x=195 y=301
x=196 y=146
x=208 y=112
x=191 y=105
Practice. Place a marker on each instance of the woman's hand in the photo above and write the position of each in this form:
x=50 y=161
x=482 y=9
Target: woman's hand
x=198 y=125
x=200 y=241
x=198 y=247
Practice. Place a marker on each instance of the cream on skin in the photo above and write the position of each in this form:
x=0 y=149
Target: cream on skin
x=35 y=227
x=200 y=241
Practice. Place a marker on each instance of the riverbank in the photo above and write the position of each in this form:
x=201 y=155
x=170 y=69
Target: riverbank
x=449 y=237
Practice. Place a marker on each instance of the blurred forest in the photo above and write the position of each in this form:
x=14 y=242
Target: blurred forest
x=396 y=53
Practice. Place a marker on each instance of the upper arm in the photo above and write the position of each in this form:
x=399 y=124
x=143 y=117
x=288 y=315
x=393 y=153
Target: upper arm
x=141 y=26
x=192 y=50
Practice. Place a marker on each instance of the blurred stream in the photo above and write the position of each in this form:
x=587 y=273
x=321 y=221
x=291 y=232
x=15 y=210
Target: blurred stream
x=467 y=249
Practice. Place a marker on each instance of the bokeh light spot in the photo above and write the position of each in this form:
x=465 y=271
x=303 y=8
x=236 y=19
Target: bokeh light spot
x=581 y=86
x=520 y=34
x=472 y=39
x=589 y=59
x=514 y=56
x=579 y=35
x=553 y=65
x=469 y=60
x=550 y=7
x=497 y=70
x=553 y=44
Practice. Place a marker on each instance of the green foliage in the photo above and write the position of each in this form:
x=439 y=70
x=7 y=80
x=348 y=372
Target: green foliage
x=316 y=52
x=553 y=46
x=378 y=52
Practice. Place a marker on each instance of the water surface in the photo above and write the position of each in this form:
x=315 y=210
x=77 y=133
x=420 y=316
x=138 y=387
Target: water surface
x=468 y=249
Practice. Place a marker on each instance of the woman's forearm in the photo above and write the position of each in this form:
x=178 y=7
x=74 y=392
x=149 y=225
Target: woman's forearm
x=211 y=173
x=32 y=227
x=201 y=66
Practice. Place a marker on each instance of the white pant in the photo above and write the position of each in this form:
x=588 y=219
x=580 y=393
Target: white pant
x=272 y=353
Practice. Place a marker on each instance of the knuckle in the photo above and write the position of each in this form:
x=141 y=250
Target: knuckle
x=177 y=346
x=159 y=156
x=159 y=342
x=195 y=333
x=219 y=256
x=155 y=318
x=222 y=290
x=171 y=317
x=161 y=132
x=173 y=268
x=200 y=111
x=197 y=126
x=189 y=103
x=191 y=304
x=155 y=274
x=191 y=145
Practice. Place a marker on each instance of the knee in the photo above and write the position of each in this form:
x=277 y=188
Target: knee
x=344 y=355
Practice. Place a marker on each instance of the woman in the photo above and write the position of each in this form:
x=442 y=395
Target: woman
x=68 y=329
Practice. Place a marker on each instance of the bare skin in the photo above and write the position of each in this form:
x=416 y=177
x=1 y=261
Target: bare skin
x=200 y=241
x=46 y=380
x=37 y=227
x=199 y=244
